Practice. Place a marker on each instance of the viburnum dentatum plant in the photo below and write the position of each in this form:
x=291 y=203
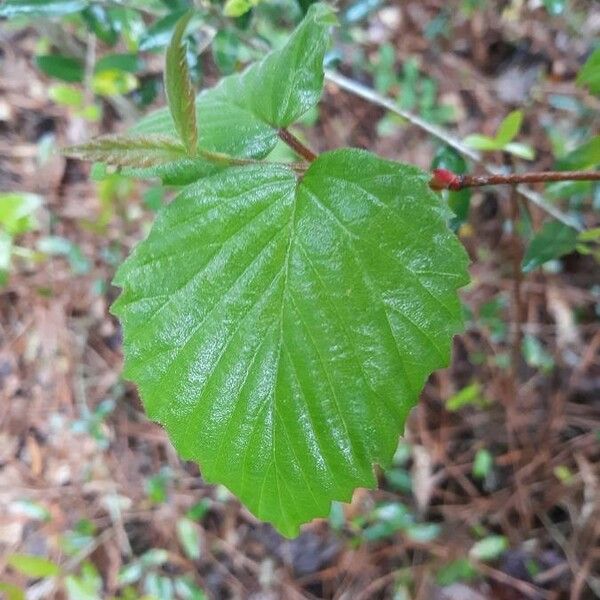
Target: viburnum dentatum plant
x=281 y=319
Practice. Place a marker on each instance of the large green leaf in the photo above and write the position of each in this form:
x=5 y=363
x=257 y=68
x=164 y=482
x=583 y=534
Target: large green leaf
x=281 y=330
x=241 y=115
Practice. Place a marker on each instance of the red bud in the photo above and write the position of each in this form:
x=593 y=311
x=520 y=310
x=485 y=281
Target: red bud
x=442 y=179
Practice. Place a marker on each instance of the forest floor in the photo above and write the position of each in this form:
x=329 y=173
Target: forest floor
x=76 y=451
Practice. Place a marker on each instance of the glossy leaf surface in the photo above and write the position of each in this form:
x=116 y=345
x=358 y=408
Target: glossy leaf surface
x=282 y=330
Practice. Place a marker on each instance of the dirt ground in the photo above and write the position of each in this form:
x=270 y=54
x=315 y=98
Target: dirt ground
x=60 y=356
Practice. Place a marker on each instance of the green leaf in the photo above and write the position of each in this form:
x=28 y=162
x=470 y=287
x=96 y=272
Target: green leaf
x=458 y=570
x=99 y=21
x=589 y=75
x=509 y=128
x=521 y=150
x=583 y=157
x=225 y=50
x=187 y=533
x=552 y=241
x=68 y=95
x=535 y=354
x=130 y=63
x=482 y=142
x=489 y=548
x=219 y=116
x=483 y=463
x=236 y=8
x=178 y=87
x=267 y=88
x=282 y=330
x=113 y=83
x=40 y=8
x=11 y=592
x=129 y=151
x=157 y=36
x=6 y=248
x=459 y=202
x=33 y=566
x=130 y=573
x=252 y=104
x=186 y=589
x=17 y=212
x=61 y=67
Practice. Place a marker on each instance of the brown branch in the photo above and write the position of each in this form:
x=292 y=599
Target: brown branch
x=443 y=179
x=296 y=145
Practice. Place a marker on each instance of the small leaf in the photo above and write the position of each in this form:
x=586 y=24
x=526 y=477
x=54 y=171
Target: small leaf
x=100 y=22
x=459 y=202
x=113 y=83
x=129 y=151
x=236 y=8
x=6 y=248
x=61 y=67
x=40 y=8
x=178 y=87
x=509 y=128
x=33 y=566
x=154 y=557
x=458 y=570
x=552 y=241
x=292 y=323
x=555 y=7
x=583 y=157
x=17 y=212
x=483 y=463
x=589 y=75
x=157 y=36
x=482 y=142
x=524 y=151
x=129 y=63
x=187 y=532
x=11 y=592
x=489 y=548
x=68 y=95
x=535 y=354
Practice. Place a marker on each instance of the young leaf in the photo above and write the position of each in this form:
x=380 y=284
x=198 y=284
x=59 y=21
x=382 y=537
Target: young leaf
x=552 y=241
x=589 y=75
x=282 y=330
x=33 y=566
x=129 y=151
x=509 y=128
x=178 y=87
x=250 y=106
